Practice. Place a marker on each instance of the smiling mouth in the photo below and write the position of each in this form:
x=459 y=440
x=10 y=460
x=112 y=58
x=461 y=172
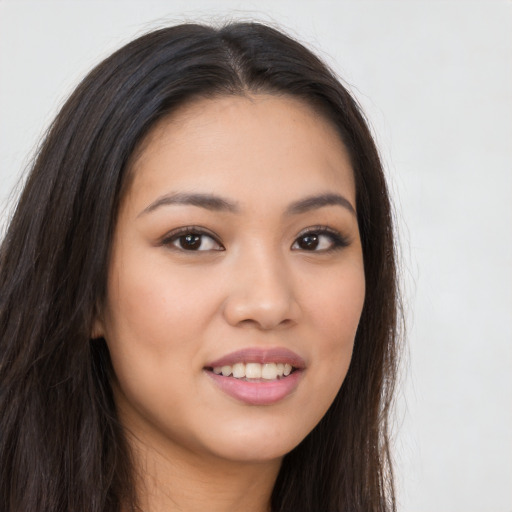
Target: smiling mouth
x=258 y=376
x=254 y=372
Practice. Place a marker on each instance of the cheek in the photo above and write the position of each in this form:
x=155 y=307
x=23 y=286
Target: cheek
x=137 y=323
x=336 y=301
x=156 y=320
x=335 y=310
x=150 y=332
x=147 y=302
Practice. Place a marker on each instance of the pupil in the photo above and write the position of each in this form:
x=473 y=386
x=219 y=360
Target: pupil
x=309 y=242
x=191 y=241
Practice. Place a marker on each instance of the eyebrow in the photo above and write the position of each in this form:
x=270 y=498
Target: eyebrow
x=207 y=201
x=216 y=203
x=319 y=201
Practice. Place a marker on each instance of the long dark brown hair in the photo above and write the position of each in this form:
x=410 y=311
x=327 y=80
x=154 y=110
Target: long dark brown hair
x=62 y=447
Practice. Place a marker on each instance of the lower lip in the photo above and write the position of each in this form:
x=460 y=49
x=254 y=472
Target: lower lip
x=259 y=392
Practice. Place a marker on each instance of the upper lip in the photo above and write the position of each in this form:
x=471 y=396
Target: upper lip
x=259 y=355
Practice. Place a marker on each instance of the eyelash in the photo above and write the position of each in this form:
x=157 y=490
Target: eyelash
x=180 y=233
x=338 y=241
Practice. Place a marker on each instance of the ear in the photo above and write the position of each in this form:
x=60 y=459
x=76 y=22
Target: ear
x=98 y=327
x=97 y=330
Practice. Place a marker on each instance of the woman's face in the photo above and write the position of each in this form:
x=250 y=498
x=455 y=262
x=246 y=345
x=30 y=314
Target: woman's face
x=236 y=251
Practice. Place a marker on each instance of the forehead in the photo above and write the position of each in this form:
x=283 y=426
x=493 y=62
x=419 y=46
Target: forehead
x=239 y=142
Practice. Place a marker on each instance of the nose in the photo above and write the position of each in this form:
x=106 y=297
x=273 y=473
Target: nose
x=261 y=293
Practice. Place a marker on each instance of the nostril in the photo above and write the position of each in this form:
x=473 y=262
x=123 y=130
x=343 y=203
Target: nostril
x=265 y=301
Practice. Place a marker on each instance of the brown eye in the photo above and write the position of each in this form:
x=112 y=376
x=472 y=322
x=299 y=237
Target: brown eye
x=192 y=241
x=308 y=242
x=196 y=242
x=320 y=240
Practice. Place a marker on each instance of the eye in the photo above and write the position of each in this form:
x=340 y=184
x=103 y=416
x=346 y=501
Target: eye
x=192 y=239
x=320 y=239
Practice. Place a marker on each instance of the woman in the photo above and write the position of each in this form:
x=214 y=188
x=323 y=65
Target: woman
x=199 y=302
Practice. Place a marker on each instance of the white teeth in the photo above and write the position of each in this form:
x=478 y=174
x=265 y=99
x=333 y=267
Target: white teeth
x=239 y=370
x=267 y=371
x=253 y=370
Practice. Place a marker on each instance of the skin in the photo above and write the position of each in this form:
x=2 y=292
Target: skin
x=169 y=311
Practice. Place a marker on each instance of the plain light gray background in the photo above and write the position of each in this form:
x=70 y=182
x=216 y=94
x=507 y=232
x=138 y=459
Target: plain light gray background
x=435 y=79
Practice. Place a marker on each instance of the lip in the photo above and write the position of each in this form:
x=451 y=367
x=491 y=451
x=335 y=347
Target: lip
x=258 y=392
x=260 y=355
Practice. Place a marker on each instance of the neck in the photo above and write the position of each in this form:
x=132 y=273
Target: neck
x=176 y=479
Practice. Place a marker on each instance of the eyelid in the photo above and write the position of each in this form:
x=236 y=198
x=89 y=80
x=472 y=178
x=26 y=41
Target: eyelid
x=339 y=240
x=174 y=234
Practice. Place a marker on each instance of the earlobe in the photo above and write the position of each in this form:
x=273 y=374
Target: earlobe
x=97 y=329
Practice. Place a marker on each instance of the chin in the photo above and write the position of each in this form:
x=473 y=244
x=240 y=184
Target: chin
x=258 y=445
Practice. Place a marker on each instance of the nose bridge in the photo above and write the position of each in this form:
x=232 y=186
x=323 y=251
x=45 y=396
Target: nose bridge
x=261 y=289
